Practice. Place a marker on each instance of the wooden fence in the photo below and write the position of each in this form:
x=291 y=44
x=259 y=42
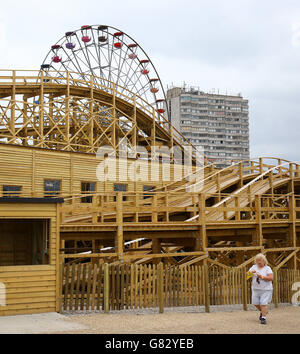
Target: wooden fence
x=92 y=287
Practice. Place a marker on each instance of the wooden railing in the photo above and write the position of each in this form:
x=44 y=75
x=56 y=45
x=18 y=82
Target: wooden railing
x=95 y=286
x=158 y=207
x=241 y=169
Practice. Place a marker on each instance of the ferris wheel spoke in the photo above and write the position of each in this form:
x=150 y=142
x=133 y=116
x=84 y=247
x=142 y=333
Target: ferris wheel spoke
x=129 y=69
x=97 y=49
x=90 y=53
x=76 y=65
x=83 y=52
x=137 y=80
x=121 y=63
x=110 y=57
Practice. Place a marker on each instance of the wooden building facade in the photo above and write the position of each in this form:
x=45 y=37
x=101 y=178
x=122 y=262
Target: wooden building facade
x=29 y=246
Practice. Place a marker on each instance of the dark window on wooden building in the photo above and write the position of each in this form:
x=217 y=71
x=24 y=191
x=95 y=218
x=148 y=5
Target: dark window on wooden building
x=52 y=187
x=120 y=188
x=88 y=188
x=11 y=191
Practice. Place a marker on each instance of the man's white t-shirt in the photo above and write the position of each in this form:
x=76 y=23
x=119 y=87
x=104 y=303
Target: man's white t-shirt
x=262 y=284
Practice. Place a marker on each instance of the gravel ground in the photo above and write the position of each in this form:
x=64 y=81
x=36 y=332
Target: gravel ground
x=38 y=323
x=179 y=320
x=222 y=319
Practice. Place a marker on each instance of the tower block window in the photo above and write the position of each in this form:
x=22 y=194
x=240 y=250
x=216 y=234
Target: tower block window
x=88 y=188
x=120 y=188
x=52 y=187
x=11 y=191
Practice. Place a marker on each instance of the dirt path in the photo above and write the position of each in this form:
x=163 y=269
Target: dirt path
x=281 y=320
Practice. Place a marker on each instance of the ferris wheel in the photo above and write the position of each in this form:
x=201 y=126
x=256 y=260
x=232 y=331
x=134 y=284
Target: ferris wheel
x=110 y=56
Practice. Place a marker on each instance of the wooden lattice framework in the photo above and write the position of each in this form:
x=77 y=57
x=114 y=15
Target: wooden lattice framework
x=70 y=114
x=224 y=219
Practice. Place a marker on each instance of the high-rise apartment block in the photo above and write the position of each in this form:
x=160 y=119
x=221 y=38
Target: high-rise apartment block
x=217 y=123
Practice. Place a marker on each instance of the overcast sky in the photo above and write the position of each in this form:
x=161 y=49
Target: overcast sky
x=247 y=46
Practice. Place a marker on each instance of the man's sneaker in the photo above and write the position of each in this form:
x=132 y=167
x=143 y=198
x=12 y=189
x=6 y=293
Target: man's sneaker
x=263 y=321
x=260 y=316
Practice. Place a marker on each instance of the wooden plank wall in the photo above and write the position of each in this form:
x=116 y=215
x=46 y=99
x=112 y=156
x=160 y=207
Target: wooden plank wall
x=32 y=288
x=29 y=289
x=29 y=167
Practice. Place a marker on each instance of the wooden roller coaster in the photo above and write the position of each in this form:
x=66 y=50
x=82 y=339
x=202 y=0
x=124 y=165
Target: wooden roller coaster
x=54 y=125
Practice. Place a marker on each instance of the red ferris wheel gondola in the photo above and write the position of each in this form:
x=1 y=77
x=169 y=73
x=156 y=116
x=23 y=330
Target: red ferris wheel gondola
x=85 y=37
x=118 y=45
x=145 y=63
x=118 y=35
x=56 y=58
x=154 y=88
x=133 y=48
x=161 y=106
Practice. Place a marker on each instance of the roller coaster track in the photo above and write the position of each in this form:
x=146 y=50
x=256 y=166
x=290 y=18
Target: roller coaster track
x=245 y=178
x=35 y=109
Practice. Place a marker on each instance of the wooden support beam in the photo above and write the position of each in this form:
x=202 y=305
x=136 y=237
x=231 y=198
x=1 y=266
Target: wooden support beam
x=201 y=233
x=193 y=261
x=250 y=260
x=163 y=255
x=292 y=234
x=233 y=249
x=258 y=240
x=156 y=249
x=119 y=219
x=212 y=261
x=286 y=259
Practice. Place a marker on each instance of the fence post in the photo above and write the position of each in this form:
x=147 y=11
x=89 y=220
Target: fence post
x=275 y=283
x=244 y=288
x=106 y=288
x=206 y=288
x=60 y=285
x=160 y=287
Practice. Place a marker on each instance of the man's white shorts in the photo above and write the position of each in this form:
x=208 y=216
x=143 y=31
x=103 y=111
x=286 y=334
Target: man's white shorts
x=261 y=297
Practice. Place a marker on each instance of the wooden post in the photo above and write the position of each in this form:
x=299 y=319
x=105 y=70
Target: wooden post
x=275 y=284
x=241 y=182
x=160 y=287
x=237 y=209
x=202 y=221
x=120 y=243
x=13 y=107
x=67 y=114
x=60 y=285
x=106 y=288
x=258 y=241
x=154 y=204
x=244 y=288
x=156 y=249
x=206 y=288
x=292 y=234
